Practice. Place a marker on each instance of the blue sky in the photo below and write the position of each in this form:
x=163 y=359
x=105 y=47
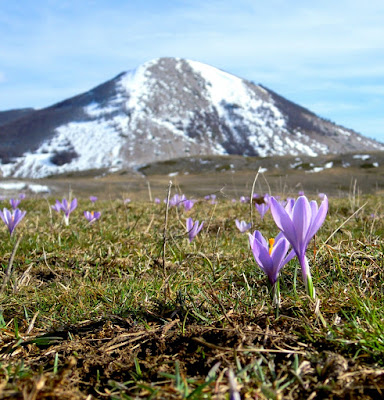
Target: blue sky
x=327 y=55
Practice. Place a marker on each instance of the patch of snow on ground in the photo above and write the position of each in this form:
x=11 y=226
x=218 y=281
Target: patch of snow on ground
x=296 y=164
x=319 y=169
x=343 y=132
x=363 y=157
x=13 y=185
x=316 y=169
x=35 y=188
x=17 y=186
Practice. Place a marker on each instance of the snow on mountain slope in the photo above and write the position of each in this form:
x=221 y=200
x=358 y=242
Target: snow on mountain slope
x=167 y=108
x=265 y=122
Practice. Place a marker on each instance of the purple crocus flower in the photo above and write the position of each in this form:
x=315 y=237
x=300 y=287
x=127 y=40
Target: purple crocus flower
x=157 y=200
x=299 y=221
x=14 y=203
x=270 y=258
x=211 y=198
x=12 y=219
x=193 y=228
x=66 y=207
x=176 y=200
x=188 y=204
x=22 y=196
x=93 y=199
x=92 y=216
x=57 y=206
x=243 y=226
x=262 y=209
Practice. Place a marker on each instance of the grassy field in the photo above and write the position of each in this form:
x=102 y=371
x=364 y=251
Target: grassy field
x=127 y=308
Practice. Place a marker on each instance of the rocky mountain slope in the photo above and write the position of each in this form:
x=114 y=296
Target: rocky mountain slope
x=167 y=108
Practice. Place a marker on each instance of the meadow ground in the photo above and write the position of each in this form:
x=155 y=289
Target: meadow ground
x=126 y=309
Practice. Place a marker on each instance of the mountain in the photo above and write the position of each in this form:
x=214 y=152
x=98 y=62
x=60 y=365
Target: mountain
x=166 y=108
x=13 y=115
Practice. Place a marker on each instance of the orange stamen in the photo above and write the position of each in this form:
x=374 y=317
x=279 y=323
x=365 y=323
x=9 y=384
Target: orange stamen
x=271 y=243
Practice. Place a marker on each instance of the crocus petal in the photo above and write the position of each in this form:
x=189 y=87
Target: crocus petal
x=278 y=253
x=289 y=205
x=279 y=236
x=279 y=250
x=251 y=239
x=289 y=257
x=73 y=205
x=3 y=217
x=266 y=264
x=320 y=217
x=284 y=222
x=194 y=229
x=189 y=224
x=314 y=207
x=262 y=257
x=301 y=217
x=64 y=204
x=7 y=216
x=18 y=216
x=260 y=238
x=200 y=227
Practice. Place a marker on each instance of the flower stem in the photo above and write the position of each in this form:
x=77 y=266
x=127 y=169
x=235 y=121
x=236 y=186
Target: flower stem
x=274 y=291
x=309 y=286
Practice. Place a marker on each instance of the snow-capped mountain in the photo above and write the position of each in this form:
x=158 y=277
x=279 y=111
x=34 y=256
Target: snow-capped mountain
x=164 y=109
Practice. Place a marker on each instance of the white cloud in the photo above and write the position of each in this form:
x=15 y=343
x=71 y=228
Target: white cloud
x=51 y=49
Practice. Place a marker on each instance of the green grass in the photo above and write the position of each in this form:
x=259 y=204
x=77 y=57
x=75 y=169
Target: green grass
x=100 y=310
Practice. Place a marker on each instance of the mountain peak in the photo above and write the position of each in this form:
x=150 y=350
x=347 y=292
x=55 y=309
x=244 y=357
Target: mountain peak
x=166 y=108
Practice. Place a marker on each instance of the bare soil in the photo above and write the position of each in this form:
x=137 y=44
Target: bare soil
x=103 y=357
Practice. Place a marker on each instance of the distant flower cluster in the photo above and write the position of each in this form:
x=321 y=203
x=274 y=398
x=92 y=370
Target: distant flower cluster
x=68 y=207
x=298 y=220
x=14 y=217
